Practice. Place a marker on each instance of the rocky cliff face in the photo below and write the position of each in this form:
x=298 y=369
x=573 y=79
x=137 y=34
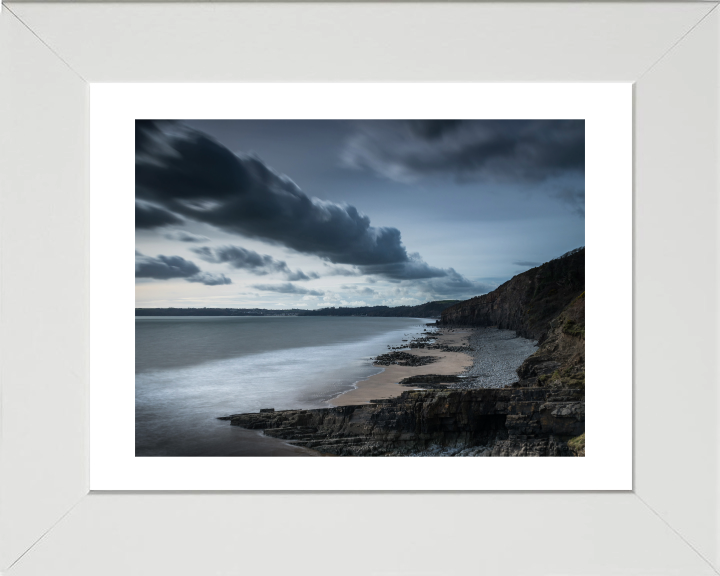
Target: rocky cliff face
x=491 y=422
x=560 y=359
x=528 y=302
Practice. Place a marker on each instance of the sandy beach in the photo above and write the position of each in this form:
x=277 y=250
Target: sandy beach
x=385 y=384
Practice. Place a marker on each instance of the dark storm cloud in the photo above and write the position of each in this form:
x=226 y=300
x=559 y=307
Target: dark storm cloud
x=497 y=150
x=163 y=267
x=184 y=236
x=167 y=267
x=526 y=263
x=287 y=288
x=148 y=216
x=194 y=176
x=244 y=259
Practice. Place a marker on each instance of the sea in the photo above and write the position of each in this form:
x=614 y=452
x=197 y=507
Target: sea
x=190 y=370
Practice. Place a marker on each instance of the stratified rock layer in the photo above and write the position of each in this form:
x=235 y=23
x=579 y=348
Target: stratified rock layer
x=493 y=422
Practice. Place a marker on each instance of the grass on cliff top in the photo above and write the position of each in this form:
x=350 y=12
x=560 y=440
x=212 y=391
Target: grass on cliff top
x=571 y=328
x=577 y=444
x=563 y=379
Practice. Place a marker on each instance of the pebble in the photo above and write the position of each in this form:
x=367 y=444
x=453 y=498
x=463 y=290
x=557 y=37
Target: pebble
x=497 y=354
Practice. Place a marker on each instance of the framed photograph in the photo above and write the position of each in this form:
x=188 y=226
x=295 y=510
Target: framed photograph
x=119 y=107
x=311 y=389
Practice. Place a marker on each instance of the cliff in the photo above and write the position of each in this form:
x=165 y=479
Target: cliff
x=528 y=302
x=560 y=359
x=485 y=422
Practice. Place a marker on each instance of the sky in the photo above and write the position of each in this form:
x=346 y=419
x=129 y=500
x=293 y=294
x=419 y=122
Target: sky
x=285 y=214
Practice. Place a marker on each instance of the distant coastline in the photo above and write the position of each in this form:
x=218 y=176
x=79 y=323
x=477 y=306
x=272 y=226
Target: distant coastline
x=427 y=310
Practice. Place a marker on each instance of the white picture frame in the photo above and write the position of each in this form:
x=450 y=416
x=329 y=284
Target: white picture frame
x=49 y=523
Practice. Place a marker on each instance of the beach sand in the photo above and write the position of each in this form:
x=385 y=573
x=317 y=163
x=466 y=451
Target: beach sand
x=385 y=384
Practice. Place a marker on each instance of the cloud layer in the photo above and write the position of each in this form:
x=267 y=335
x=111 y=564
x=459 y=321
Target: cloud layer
x=192 y=176
x=182 y=174
x=497 y=150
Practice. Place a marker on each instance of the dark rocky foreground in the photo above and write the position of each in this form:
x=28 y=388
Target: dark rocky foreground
x=492 y=422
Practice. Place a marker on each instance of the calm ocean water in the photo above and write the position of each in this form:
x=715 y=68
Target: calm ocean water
x=190 y=370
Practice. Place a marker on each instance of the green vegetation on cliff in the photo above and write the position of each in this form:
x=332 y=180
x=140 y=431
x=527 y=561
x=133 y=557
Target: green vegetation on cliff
x=577 y=445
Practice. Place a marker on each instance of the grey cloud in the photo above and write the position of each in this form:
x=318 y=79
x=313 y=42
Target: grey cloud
x=167 y=267
x=242 y=258
x=192 y=175
x=526 y=263
x=209 y=279
x=497 y=150
x=453 y=286
x=163 y=267
x=184 y=236
x=412 y=269
x=148 y=216
x=300 y=275
x=287 y=288
x=340 y=271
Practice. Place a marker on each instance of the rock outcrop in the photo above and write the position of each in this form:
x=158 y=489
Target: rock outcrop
x=560 y=359
x=403 y=359
x=497 y=422
x=528 y=302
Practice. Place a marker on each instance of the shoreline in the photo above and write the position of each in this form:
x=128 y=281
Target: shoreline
x=385 y=385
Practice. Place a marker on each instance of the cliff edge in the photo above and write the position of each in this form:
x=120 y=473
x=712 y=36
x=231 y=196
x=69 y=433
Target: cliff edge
x=528 y=302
